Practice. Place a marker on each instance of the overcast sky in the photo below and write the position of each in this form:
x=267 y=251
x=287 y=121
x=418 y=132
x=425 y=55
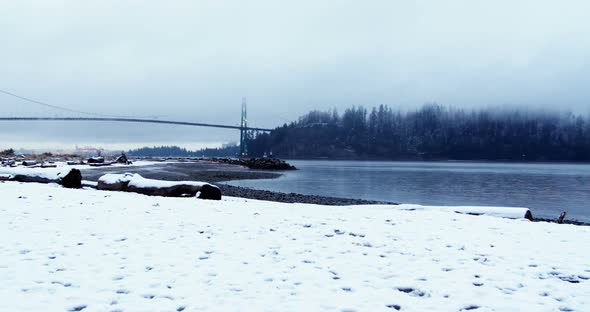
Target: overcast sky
x=195 y=60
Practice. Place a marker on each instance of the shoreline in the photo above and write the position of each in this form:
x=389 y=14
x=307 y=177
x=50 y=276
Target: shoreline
x=507 y=161
x=218 y=173
x=249 y=193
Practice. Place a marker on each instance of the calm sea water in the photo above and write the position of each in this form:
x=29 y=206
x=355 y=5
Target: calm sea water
x=545 y=188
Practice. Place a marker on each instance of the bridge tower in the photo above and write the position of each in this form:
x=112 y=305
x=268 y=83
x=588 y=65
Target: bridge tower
x=244 y=131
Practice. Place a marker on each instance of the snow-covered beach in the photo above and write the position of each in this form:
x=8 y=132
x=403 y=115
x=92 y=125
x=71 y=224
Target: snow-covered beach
x=64 y=249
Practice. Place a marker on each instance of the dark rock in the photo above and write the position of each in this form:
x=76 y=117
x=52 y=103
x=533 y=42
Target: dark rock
x=561 y=217
x=267 y=164
x=122 y=159
x=96 y=160
x=72 y=180
x=257 y=163
x=209 y=191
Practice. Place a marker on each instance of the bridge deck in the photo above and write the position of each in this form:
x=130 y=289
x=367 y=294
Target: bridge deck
x=155 y=121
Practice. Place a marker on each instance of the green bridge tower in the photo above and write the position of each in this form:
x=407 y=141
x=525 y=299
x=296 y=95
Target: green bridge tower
x=244 y=131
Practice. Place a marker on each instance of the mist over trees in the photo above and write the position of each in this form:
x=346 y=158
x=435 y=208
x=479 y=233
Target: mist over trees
x=431 y=132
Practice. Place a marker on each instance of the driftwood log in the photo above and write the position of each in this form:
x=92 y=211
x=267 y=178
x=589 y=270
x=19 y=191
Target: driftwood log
x=503 y=212
x=137 y=184
x=72 y=179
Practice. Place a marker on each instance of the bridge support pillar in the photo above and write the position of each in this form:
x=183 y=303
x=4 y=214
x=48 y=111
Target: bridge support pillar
x=244 y=131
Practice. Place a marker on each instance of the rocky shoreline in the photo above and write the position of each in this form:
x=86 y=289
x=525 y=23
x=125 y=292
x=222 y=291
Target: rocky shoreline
x=256 y=163
x=219 y=172
x=243 y=192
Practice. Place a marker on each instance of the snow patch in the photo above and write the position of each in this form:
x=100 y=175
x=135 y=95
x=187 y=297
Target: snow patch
x=504 y=212
x=134 y=179
x=46 y=173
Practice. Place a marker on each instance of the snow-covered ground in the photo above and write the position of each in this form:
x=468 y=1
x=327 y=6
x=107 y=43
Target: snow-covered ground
x=64 y=249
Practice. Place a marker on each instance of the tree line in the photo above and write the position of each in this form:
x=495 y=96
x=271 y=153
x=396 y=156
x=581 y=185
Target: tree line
x=429 y=133
x=229 y=150
x=162 y=151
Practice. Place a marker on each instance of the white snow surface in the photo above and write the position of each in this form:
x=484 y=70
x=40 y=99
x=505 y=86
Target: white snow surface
x=504 y=212
x=88 y=250
x=47 y=173
x=137 y=180
x=93 y=184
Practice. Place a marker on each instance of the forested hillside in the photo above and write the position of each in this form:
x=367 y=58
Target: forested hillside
x=431 y=132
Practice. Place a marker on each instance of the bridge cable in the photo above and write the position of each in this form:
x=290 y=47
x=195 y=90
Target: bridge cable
x=64 y=108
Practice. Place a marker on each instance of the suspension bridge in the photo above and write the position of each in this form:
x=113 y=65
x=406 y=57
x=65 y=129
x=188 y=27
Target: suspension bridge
x=245 y=130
